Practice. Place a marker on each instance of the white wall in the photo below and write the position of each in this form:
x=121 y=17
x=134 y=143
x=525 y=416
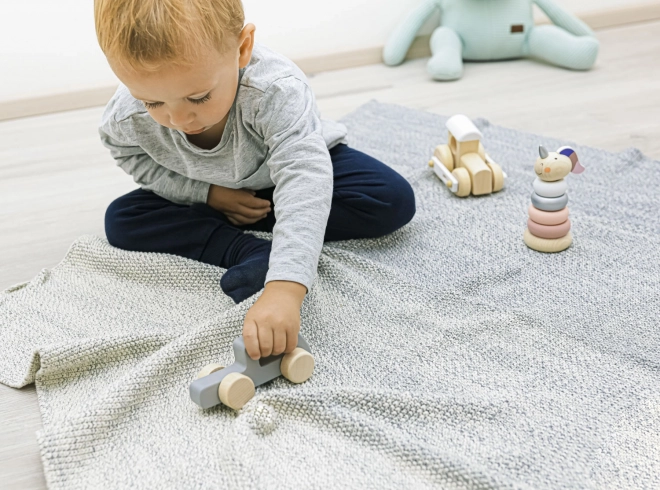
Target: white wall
x=49 y=46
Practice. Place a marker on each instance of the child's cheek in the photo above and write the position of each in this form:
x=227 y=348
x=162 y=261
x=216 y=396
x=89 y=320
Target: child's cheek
x=159 y=117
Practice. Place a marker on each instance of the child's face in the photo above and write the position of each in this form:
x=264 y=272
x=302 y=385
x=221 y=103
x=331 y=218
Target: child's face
x=195 y=98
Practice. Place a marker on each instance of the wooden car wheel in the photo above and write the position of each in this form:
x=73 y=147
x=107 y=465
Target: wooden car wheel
x=208 y=369
x=236 y=390
x=443 y=153
x=464 y=183
x=498 y=177
x=297 y=366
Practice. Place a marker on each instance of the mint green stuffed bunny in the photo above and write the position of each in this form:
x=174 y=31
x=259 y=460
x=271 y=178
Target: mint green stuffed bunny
x=494 y=30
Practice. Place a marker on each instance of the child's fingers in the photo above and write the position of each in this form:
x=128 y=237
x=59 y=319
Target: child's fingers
x=232 y=220
x=258 y=203
x=242 y=221
x=251 y=340
x=291 y=342
x=251 y=212
x=265 y=340
x=279 y=341
x=252 y=194
x=253 y=202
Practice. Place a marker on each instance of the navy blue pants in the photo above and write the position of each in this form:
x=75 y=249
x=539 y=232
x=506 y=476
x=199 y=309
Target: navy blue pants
x=369 y=200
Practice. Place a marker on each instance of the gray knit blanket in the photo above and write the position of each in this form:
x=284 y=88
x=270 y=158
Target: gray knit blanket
x=448 y=354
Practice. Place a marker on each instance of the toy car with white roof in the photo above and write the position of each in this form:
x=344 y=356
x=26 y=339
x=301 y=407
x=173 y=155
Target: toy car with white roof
x=462 y=164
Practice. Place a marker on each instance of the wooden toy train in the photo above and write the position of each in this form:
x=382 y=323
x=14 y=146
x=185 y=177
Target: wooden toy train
x=462 y=164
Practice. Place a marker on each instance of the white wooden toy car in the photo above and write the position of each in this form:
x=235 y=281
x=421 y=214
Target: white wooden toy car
x=462 y=164
x=234 y=385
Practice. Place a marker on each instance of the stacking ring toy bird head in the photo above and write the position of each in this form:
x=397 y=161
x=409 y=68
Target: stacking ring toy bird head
x=555 y=165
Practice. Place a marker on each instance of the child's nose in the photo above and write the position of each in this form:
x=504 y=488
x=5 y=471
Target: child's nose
x=181 y=119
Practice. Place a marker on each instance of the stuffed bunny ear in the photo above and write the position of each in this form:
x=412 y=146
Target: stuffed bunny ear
x=569 y=152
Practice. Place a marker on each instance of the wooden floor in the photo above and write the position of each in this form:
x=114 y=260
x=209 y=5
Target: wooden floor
x=56 y=179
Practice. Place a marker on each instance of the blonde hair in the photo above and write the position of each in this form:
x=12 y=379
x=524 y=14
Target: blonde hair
x=148 y=33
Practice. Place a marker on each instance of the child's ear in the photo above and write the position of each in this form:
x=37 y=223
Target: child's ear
x=246 y=44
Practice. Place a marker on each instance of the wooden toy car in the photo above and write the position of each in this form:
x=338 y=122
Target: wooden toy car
x=462 y=164
x=234 y=385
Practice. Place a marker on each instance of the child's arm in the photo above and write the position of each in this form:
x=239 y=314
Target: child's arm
x=301 y=168
x=147 y=173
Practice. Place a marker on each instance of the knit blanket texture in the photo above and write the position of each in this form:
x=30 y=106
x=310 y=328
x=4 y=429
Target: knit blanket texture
x=448 y=354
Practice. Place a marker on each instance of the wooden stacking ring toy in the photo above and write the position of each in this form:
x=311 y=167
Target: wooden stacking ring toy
x=549 y=218
x=545 y=231
x=550 y=189
x=549 y=203
x=547 y=245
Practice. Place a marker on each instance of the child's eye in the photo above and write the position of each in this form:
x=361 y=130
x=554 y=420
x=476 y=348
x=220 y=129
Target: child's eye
x=152 y=105
x=202 y=100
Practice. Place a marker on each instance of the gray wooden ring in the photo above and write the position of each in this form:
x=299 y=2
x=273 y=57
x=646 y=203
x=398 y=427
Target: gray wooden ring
x=550 y=189
x=549 y=203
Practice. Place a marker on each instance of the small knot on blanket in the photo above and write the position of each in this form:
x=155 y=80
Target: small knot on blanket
x=262 y=419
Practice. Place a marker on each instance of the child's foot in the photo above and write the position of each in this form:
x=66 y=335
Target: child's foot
x=248 y=275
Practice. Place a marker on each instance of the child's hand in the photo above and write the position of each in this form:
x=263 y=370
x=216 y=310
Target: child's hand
x=239 y=205
x=271 y=326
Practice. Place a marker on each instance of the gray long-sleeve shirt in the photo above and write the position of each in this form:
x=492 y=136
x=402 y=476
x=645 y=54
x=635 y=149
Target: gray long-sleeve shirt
x=274 y=137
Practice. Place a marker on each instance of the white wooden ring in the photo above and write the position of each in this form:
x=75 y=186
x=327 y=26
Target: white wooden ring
x=550 y=189
x=549 y=203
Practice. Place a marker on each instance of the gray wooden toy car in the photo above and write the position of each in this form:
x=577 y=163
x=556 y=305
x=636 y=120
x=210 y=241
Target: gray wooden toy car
x=234 y=385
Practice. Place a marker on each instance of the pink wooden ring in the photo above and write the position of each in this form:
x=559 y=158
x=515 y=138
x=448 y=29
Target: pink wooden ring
x=544 y=231
x=549 y=218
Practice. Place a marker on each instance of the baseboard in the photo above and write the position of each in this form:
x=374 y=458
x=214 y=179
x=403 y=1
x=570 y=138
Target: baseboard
x=420 y=48
x=47 y=104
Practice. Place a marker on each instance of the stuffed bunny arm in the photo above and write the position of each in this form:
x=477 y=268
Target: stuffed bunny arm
x=569 y=43
x=564 y=19
x=402 y=37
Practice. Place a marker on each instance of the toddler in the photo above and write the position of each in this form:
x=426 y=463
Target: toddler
x=223 y=136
